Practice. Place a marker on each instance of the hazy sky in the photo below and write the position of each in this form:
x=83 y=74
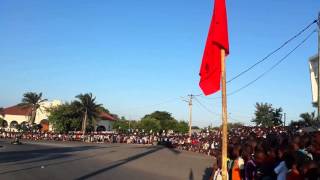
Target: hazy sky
x=143 y=55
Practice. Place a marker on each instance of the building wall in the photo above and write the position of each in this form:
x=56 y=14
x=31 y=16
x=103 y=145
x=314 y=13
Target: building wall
x=313 y=65
x=42 y=114
x=9 y=118
x=107 y=124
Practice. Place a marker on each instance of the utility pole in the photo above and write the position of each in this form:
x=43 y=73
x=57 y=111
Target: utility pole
x=190 y=114
x=318 y=66
x=191 y=96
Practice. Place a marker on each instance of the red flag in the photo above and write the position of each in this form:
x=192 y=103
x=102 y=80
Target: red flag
x=210 y=71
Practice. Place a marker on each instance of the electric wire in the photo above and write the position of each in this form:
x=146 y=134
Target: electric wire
x=272 y=52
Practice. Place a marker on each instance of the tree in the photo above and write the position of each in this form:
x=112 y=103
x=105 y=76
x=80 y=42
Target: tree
x=182 y=127
x=149 y=124
x=235 y=125
x=308 y=118
x=121 y=125
x=103 y=109
x=195 y=127
x=3 y=123
x=65 y=117
x=1 y=111
x=267 y=116
x=33 y=100
x=89 y=109
x=167 y=122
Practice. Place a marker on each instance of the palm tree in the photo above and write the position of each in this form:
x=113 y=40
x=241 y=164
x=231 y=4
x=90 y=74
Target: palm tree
x=33 y=100
x=308 y=118
x=88 y=108
x=1 y=111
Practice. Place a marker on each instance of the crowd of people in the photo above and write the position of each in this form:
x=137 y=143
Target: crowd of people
x=255 y=153
x=102 y=137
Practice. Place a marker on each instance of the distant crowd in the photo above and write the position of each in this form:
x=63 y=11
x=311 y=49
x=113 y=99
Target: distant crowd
x=255 y=153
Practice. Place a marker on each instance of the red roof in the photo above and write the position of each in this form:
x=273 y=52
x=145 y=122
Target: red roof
x=106 y=116
x=17 y=110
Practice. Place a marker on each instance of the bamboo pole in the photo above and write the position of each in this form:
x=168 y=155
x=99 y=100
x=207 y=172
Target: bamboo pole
x=318 y=67
x=224 y=117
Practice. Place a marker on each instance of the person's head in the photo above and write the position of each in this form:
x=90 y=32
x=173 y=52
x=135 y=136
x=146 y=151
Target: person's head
x=316 y=137
x=247 y=152
x=281 y=151
x=260 y=157
x=310 y=170
x=289 y=160
x=236 y=151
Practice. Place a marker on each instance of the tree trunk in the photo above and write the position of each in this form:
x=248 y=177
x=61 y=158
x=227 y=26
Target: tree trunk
x=33 y=115
x=94 y=124
x=84 y=124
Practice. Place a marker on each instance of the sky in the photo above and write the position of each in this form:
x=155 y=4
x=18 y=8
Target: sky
x=140 y=56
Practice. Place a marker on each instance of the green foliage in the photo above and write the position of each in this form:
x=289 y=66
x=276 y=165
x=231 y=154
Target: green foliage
x=103 y=109
x=195 y=127
x=89 y=109
x=156 y=121
x=162 y=120
x=309 y=118
x=267 y=116
x=86 y=103
x=149 y=124
x=3 y=123
x=306 y=119
x=1 y=111
x=167 y=122
x=34 y=100
x=65 y=117
x=121 y=125
x=182 y=127
x=235 y=125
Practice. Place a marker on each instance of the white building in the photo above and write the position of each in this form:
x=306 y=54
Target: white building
x=313 y=65
x=15 y=115
x=105 y=123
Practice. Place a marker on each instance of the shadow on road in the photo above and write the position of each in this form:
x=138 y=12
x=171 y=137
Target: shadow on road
x=54 y=163
x=50 y=153
x=207 y=173
x=191 y=177
x=121 y=162
x=174 y=150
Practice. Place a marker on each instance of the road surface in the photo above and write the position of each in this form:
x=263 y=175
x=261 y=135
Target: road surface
x=77 y=160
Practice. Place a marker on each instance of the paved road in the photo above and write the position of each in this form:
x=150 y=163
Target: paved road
x=75 y=160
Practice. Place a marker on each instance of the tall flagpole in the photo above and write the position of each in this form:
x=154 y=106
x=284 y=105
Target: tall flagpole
x=224 y=117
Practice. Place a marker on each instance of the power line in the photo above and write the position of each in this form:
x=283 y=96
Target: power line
x=214 y=113
x=271 y=68
x=273 y=52
x=274 y=66
x=205 y=107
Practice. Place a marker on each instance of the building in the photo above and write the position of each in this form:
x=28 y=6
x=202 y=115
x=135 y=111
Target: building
x=15 y=115
x=313 y=66
x=105 y=123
